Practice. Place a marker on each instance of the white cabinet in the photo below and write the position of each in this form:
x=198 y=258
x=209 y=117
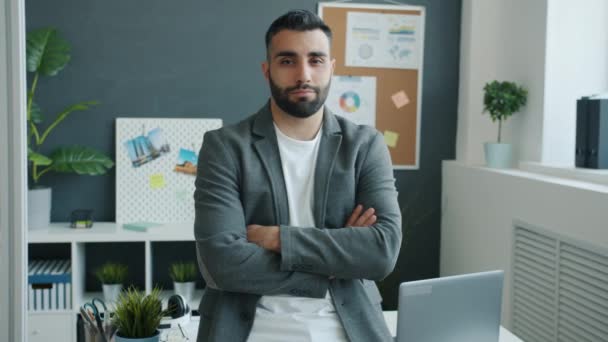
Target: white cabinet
x=51 y=326
x=149 y=249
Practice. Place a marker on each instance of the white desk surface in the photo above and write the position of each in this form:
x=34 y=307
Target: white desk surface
x=391 y=321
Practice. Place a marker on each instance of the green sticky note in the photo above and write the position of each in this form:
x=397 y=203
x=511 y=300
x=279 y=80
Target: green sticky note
x=391 y=138
x=183 y=195
x=157 y=181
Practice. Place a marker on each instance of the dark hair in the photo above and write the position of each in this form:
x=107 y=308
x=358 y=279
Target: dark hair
x=297 y=20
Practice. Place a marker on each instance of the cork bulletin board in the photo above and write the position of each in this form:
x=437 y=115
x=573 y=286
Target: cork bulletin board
x=398 y=82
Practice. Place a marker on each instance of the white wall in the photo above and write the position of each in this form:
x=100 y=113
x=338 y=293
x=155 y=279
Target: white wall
x=503 y=40
x=480 y=204
x=472 y=42
x=557 y=49
x=576 y=65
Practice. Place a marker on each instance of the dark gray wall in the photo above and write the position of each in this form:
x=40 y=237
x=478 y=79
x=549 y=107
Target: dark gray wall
x=189 y=58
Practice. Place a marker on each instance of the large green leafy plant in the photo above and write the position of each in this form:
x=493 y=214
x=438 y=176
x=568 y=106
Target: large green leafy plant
x=502 y=99
x=47 y=55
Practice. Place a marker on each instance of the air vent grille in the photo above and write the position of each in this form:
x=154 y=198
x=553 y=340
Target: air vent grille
x=560 y=288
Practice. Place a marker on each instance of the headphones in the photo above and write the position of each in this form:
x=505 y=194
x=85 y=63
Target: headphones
x=179 y=313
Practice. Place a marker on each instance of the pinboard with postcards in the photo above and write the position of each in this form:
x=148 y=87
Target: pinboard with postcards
x=156 y=161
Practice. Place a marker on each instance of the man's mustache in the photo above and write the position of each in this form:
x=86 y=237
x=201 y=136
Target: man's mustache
x=302 y=87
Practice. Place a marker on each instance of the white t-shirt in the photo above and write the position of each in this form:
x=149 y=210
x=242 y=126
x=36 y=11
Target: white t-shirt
x=290 y=318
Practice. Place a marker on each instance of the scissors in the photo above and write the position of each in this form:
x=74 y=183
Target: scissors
x=91 y=309
x=88 y=319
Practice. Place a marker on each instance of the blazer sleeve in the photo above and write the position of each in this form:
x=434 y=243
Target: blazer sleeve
x=353 y=252
x=226 y=259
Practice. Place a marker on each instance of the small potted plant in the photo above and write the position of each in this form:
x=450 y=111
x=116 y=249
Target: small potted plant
x=184 y=275
x=47 y=54
x=112 y=276
x=501 y=100
x=137 y=316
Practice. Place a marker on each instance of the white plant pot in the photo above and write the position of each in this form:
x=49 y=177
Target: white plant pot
x=498 y=156
x=186 y=290
x=39 y=208
x=111 y=292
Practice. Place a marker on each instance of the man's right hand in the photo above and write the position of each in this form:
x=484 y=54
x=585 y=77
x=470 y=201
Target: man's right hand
x=361 y=219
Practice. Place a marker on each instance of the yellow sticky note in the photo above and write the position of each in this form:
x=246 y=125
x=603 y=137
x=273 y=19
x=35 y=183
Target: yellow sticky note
x=391 y=138
x=400 y=99
x=157 y=181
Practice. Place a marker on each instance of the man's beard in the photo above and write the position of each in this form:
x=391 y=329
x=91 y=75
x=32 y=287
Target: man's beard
x=301 y=108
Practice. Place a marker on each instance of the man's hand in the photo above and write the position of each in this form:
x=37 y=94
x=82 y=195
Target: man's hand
x=359 y=219
x=267 y=237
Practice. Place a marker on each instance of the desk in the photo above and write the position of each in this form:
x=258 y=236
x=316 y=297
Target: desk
x=391 y=321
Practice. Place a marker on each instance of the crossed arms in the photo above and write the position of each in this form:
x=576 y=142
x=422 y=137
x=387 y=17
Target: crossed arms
x=297 y=261
x=269 y=237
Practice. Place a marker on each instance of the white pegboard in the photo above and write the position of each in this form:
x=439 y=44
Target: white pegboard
x=154 y=191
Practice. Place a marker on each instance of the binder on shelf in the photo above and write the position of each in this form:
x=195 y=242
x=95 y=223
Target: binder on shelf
x=49 y=284
x=580 y=157
x=592 y=133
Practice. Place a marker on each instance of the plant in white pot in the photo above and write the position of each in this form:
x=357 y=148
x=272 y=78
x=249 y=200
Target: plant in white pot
x=112 y=276
x=184 y=275
x=501 y=100
x=137 y=316
x=47 y=54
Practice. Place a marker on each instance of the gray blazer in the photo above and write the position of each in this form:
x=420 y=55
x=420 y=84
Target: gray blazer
x=240 y=182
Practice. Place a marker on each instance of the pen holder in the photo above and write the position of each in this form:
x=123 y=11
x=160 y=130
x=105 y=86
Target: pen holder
x=92 y=334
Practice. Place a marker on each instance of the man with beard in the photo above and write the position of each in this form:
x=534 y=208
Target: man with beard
x=296 y=208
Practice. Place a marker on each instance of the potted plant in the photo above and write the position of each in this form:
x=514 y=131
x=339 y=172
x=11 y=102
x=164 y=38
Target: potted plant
x=184 y=275
x=501 y=100
x=137 y=316
x=112 y=276
x=47 y=54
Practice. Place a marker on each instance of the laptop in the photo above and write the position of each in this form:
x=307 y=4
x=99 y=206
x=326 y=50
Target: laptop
x=463 y=308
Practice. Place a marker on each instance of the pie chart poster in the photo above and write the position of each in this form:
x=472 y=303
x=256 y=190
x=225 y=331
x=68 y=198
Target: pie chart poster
x=354 y=97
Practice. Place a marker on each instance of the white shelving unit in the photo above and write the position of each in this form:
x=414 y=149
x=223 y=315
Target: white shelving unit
x=101 y=232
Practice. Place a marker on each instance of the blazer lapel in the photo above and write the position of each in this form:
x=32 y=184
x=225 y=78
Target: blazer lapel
x=328 y=150
x=268 y=152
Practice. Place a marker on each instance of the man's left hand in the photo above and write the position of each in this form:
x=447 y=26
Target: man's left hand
x=267 y=237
